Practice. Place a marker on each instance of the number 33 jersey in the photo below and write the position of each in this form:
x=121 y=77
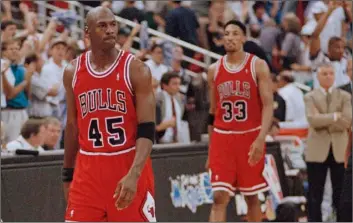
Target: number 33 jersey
x=106 y=115
x=237 y=98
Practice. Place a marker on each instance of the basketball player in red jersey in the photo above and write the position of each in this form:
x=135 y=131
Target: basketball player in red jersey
x=240 y=116
x=107 y=170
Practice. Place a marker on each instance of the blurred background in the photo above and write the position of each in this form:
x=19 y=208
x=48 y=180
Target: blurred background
x=178 y=40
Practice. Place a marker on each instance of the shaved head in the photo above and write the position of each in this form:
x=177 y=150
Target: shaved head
x=101 y=28
x=94 y=14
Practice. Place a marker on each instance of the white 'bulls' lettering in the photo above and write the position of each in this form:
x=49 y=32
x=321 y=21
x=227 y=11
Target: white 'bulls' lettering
x=234 y=88
x=96 y=99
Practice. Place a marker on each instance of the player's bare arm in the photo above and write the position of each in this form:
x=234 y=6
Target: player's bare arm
x=141 y=81
x=210 y=81
x=265 y=86
x=71 y=131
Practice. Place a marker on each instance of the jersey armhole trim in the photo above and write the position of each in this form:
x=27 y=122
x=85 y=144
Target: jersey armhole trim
x=253 y=68
x=78 y=66
x=218 y=64
x=127 y=73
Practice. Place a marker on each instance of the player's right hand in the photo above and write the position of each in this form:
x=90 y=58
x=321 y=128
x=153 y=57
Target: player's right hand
x=66 y=187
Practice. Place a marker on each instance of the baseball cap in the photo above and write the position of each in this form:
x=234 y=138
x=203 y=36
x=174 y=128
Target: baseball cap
x=57 y=41
x=319 y=7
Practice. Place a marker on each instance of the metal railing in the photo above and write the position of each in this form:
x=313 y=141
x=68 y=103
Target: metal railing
x=78 y=31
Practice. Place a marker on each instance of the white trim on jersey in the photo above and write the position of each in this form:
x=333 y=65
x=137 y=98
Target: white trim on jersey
x=218 y=65
x=217 y=184
x=237 y=69
x=78 y=66
x=253 y=68
x=105 y=153
x=231 y=193
x=127 y=73
x=255 y=192
x=252 y=188
x=235 y=132
x=105 y=73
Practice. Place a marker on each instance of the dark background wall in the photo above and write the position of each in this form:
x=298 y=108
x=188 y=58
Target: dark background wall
x=31 y=188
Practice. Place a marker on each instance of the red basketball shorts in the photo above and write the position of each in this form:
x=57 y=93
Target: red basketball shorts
x=229 y=167
x=95 y=179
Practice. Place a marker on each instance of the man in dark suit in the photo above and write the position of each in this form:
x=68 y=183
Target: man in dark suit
x=348 y=87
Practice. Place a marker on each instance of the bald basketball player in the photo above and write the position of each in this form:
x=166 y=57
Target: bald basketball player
x=107 y=170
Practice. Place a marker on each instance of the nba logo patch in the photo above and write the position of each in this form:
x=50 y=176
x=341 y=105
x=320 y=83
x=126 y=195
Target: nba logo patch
x=118 y=76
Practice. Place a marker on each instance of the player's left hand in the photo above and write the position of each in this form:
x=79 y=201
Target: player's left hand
x=125 y=191
x=256 y=151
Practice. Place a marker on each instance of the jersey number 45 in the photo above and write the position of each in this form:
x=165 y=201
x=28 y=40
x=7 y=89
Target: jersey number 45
x=117 y=136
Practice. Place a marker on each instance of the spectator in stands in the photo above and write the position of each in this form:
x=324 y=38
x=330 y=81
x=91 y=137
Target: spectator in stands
x=302 y=69
x=329 y=113
x=294 y=99
x=348 y=87
x=181 y=22
x=6 y=13
x=31 y=138
x=279 y=103
x=335 y=14
x=176 y=67
x=335 y=52
x=214 y=29
x=268 y=36
x=53 y=133
x=8 y=30
x=289 y=50
x=52 y=71
x=260 y=16
x=156 y=62
x=16 y=82
x=41 y=86
x=170 y=105
x=131 y=12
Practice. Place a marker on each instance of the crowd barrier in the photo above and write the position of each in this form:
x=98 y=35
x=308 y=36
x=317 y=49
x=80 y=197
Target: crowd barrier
x=31 y=188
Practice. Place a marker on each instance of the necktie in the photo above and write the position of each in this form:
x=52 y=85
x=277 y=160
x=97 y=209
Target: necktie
x=328 y=100
x=175 y=139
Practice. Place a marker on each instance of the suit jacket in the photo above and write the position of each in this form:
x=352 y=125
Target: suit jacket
x=324 y=131
x=160 y=100
x=347 y=88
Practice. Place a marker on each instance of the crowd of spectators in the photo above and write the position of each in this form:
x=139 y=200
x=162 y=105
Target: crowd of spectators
x=307 y=45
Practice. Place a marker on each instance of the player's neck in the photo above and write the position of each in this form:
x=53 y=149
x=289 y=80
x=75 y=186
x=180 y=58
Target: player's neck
x=102 y=57
x=235 y=57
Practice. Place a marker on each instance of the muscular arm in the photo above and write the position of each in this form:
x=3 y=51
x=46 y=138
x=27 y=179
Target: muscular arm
x=71 y=130
x=265 y=87
x=210 y=80
x=141 y=81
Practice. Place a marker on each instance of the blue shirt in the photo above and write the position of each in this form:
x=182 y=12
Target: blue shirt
x=21 y=99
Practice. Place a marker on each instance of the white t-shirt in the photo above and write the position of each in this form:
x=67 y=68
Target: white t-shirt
x=157 y=70
x=295 y=106
x=21 y=143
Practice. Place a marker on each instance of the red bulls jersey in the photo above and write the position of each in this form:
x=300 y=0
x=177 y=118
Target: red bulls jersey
x=238 y=103
x=106 y=115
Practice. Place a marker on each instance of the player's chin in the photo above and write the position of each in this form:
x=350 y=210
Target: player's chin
x=230 y=49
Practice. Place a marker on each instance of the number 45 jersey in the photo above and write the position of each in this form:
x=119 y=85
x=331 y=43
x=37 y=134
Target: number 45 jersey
x=238 y=102
x=106 y=115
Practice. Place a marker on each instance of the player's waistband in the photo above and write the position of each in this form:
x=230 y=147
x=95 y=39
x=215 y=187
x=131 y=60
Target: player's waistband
x=106 y=153
x=235 y=132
